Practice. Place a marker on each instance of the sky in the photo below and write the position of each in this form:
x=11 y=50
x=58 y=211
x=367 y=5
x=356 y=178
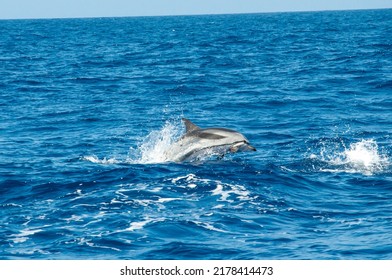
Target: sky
x=20 y=9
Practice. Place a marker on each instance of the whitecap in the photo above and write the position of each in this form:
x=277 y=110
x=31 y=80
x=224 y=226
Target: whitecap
x=167 y=199
x=227 y=192
x=188 y=177
x=209 y=227
x=23 y=236
x=95 y=159
x=141 y=224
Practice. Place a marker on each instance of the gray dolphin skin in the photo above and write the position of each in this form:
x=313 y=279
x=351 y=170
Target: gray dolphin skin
x=197 y=143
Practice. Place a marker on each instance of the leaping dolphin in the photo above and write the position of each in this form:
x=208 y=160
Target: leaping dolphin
x=197 y=142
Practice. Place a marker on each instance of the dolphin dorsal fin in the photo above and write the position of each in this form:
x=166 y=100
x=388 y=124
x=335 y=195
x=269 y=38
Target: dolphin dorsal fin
x=189 y=126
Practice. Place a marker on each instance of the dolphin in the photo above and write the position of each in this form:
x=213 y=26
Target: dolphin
x=198 y=143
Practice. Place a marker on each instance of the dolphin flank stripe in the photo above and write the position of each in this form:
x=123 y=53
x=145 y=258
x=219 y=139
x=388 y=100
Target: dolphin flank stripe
x=206 y=135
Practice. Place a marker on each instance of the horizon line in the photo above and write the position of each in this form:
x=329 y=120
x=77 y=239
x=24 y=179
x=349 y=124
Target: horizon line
x=196 y=14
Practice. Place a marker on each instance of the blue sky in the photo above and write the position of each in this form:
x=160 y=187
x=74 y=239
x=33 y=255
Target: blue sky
x=10 y=9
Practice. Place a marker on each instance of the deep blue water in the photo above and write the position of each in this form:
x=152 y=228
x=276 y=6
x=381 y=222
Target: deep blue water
x=88 y=106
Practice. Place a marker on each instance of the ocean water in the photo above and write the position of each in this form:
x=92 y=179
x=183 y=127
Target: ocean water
x=89 y=106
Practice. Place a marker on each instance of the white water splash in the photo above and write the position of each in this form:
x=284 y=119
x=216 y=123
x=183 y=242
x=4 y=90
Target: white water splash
x=150 y=150
x=153 y=147
x=363 y=156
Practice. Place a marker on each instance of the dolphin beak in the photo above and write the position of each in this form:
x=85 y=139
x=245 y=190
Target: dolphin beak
x=250 y=148
x=243 y=147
